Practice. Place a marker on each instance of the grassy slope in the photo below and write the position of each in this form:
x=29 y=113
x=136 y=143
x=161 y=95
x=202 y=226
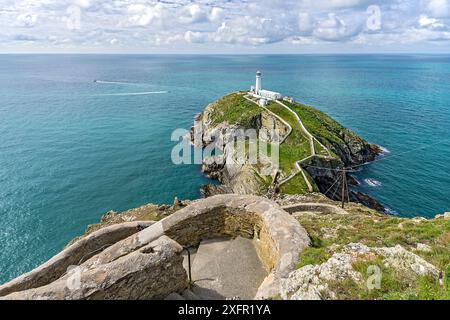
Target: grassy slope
x=324 y=128
x=296 y=147
x=234 y=109
x=375 y=230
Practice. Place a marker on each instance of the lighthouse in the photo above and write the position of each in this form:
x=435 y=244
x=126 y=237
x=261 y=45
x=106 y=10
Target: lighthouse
x=258 y=82
x=256 y=91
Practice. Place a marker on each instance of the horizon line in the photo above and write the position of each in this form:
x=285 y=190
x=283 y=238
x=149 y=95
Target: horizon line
x=225 y=53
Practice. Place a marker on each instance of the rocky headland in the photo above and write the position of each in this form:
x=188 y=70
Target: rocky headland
x=277 y=235
x=334 y=148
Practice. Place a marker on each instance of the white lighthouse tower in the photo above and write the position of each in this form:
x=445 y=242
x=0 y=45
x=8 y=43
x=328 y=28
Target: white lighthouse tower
x=266 y=95
x=258 y=82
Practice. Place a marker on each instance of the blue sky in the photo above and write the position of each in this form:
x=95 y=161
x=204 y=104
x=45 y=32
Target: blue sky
x=225 y=26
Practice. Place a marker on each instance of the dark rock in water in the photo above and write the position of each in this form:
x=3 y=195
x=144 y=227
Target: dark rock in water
x=214 y=168
x=367 y=201
x=352 y=181
x=209 y=190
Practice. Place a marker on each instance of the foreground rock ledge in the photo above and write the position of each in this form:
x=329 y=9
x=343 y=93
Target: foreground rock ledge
x=148 y=264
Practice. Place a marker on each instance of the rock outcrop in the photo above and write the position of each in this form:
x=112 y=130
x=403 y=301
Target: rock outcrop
x=148 y=263
x=213 y=126
x=78 y=252
x=235 y=176
x=315 y=282
x=152 y=272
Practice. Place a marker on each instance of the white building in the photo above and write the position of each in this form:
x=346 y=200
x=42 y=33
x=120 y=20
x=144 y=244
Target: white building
x=262 y=102
x=258 y=92
x=270 y=95
x=258 y=81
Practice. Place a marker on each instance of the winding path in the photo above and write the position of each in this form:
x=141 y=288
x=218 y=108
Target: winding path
x=310 y=137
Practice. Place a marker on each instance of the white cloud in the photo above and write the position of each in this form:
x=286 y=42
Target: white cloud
x=143 y=15
x=27 y=20
x=180 y=24
x=195 y=37
x=83 y=3
x=216 y=14
x=193 y=14
x=335 y=4
x=305 y=23
x=334 y=28
x=426 y=22
x=438 y=8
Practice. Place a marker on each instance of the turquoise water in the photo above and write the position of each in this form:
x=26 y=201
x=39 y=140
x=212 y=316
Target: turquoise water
x=72 y=149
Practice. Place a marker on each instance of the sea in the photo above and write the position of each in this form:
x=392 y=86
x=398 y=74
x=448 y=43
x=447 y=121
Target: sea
x=84 y=134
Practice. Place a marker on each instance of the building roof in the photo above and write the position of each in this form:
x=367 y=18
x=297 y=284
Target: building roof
x=268 y=92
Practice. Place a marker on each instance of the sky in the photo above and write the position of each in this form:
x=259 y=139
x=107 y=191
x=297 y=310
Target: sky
x=225 y=26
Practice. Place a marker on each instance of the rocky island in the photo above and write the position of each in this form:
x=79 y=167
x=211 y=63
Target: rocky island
x=313 y=150
x=281 y=235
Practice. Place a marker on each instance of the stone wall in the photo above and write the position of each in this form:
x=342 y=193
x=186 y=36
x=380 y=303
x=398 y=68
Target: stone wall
x=277 y=236
x=152 y=272
x=315 y=207
x=75 y=254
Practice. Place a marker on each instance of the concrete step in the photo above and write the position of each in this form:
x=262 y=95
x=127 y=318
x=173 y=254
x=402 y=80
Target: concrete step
x=227 y=268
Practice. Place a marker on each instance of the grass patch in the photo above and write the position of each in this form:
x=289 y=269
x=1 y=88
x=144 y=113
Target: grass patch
x=293 y=149
x=296 y=185
x=296 y=146
x=234 y=109
x=313 y=256
x=376 y=230
x=324 y=128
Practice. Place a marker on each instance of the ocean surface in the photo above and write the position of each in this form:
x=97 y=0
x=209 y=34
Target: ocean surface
x=72 y=149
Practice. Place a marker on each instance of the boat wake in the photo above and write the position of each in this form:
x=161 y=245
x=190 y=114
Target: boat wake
x=372 y=182
x=113 y=82
x=134 y=93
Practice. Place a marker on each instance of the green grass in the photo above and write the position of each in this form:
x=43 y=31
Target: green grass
x=296 y=185
x=234 y=109
x=376 y=230
x=325 y=129
x=313 y=256
x=294 y=148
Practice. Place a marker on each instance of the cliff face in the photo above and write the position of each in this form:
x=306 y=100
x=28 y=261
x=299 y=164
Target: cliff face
x=218 y=124
x=336 y=147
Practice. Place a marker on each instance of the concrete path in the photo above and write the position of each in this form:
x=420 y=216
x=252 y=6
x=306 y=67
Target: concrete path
x=225 y=268
x=310 y=137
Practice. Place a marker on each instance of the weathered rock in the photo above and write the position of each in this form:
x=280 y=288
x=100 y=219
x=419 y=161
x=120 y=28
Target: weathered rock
x=367 y=201
x=445 y=215
x=76 y=253
x=399 y=258
x=237 y=176
x=152 y=272
x=423 y=247
x=311 y=282
x=278 y=239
